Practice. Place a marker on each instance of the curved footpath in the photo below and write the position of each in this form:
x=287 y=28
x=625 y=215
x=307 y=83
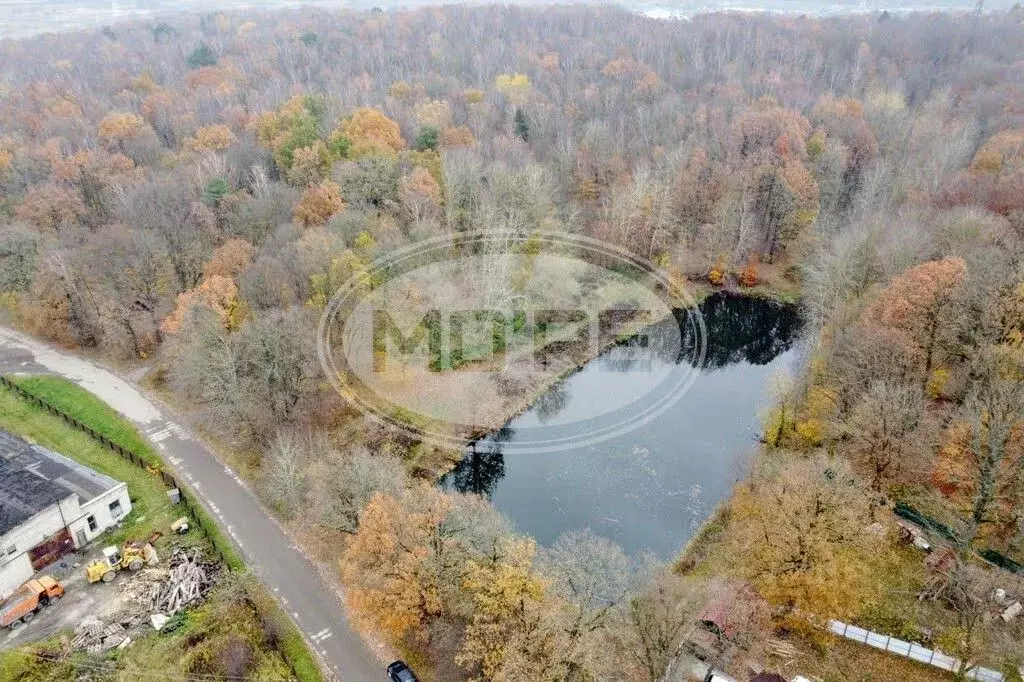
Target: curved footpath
x=270 y=554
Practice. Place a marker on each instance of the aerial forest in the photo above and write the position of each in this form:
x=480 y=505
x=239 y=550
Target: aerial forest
x=185 y=195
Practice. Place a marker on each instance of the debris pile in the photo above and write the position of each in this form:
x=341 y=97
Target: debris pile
x=188 y=581
x=155 y=595
x=93 y=635
x=137 y=587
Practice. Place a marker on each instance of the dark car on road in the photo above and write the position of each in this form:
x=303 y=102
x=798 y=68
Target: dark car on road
x=400 y=672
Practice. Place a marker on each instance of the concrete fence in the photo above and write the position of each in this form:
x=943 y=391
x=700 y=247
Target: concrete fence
x=911 y=650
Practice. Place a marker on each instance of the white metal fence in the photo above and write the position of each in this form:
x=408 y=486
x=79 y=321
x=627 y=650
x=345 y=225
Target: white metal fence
x=910 y=650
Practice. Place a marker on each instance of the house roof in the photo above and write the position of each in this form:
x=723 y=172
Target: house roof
x=33 y=478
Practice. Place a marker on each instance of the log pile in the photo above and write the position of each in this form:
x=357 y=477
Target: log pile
x=188 y=581
x=137 y=587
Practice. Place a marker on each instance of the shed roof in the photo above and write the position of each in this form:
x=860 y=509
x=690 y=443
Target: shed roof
x=33 y=478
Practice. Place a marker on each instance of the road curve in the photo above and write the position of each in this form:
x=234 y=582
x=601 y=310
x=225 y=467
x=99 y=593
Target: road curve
x=295 y=582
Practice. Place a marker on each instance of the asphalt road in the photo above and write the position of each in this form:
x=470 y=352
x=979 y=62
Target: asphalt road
x=295 y=581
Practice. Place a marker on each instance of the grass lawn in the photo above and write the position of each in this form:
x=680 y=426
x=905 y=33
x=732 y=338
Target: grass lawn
x=151 y=508
x=90 y=410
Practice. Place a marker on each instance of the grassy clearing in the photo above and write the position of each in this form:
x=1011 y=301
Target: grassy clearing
x=845 y=661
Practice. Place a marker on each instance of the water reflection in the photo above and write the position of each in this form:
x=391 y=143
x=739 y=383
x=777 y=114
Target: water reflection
x=650 y=488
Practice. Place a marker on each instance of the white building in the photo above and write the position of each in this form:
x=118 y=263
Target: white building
x=49 y=505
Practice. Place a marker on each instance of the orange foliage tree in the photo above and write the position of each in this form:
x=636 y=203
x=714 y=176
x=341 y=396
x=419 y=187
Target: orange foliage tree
x=748 y=277
x=318 y=204
x=218 y=293
x=393 y=566
x=230 y=259
x=420 y=194
x=915 y=307
x=50 y=206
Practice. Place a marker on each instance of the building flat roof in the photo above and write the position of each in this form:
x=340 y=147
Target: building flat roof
x=33 y=478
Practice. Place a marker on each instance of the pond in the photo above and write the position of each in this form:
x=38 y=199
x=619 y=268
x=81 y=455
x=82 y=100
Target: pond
x=651 y=488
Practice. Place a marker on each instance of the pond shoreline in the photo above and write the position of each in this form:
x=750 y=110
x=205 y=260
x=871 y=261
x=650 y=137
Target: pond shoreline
x=701 y=291
x=676 y=469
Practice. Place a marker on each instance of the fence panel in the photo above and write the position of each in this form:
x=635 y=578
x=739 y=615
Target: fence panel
x=911 y=650
x=876 y=640
x=898 y=646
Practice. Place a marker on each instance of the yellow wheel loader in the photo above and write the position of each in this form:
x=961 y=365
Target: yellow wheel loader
x=133 y=556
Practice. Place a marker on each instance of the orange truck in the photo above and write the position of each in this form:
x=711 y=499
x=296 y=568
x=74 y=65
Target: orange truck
x=22 y=606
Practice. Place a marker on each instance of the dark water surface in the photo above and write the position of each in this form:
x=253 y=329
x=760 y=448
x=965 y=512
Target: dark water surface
x=648 y=489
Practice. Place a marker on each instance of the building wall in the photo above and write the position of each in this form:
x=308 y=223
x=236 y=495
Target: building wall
x=99 y=509
x=14 y=571
x=16 y=543
x=51 y=521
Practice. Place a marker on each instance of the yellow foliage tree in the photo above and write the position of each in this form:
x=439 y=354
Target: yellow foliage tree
x=118 y=127
x=371 y=132
x=718 y=272
x=507 y=598
x=801 y=532
x=399 y=90
x=515 y=86
x=342 y=269
x=211 y=138
x=1002 y=151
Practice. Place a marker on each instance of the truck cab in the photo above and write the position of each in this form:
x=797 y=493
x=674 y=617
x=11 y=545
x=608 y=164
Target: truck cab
x=22 y=606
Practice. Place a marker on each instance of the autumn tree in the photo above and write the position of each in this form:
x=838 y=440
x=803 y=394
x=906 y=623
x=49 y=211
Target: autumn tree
x=217 y=293
x=886 y=432
x=50 y=207
x=916 y=308
x=651 y=631
x=229 y=259
x=509 y=627
x=294 y=125
x=802 y=531
x=395 y=567
x=318 y=204
x=985 y=450
x=371 y=132
x=421 y=195
x=211 y=138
